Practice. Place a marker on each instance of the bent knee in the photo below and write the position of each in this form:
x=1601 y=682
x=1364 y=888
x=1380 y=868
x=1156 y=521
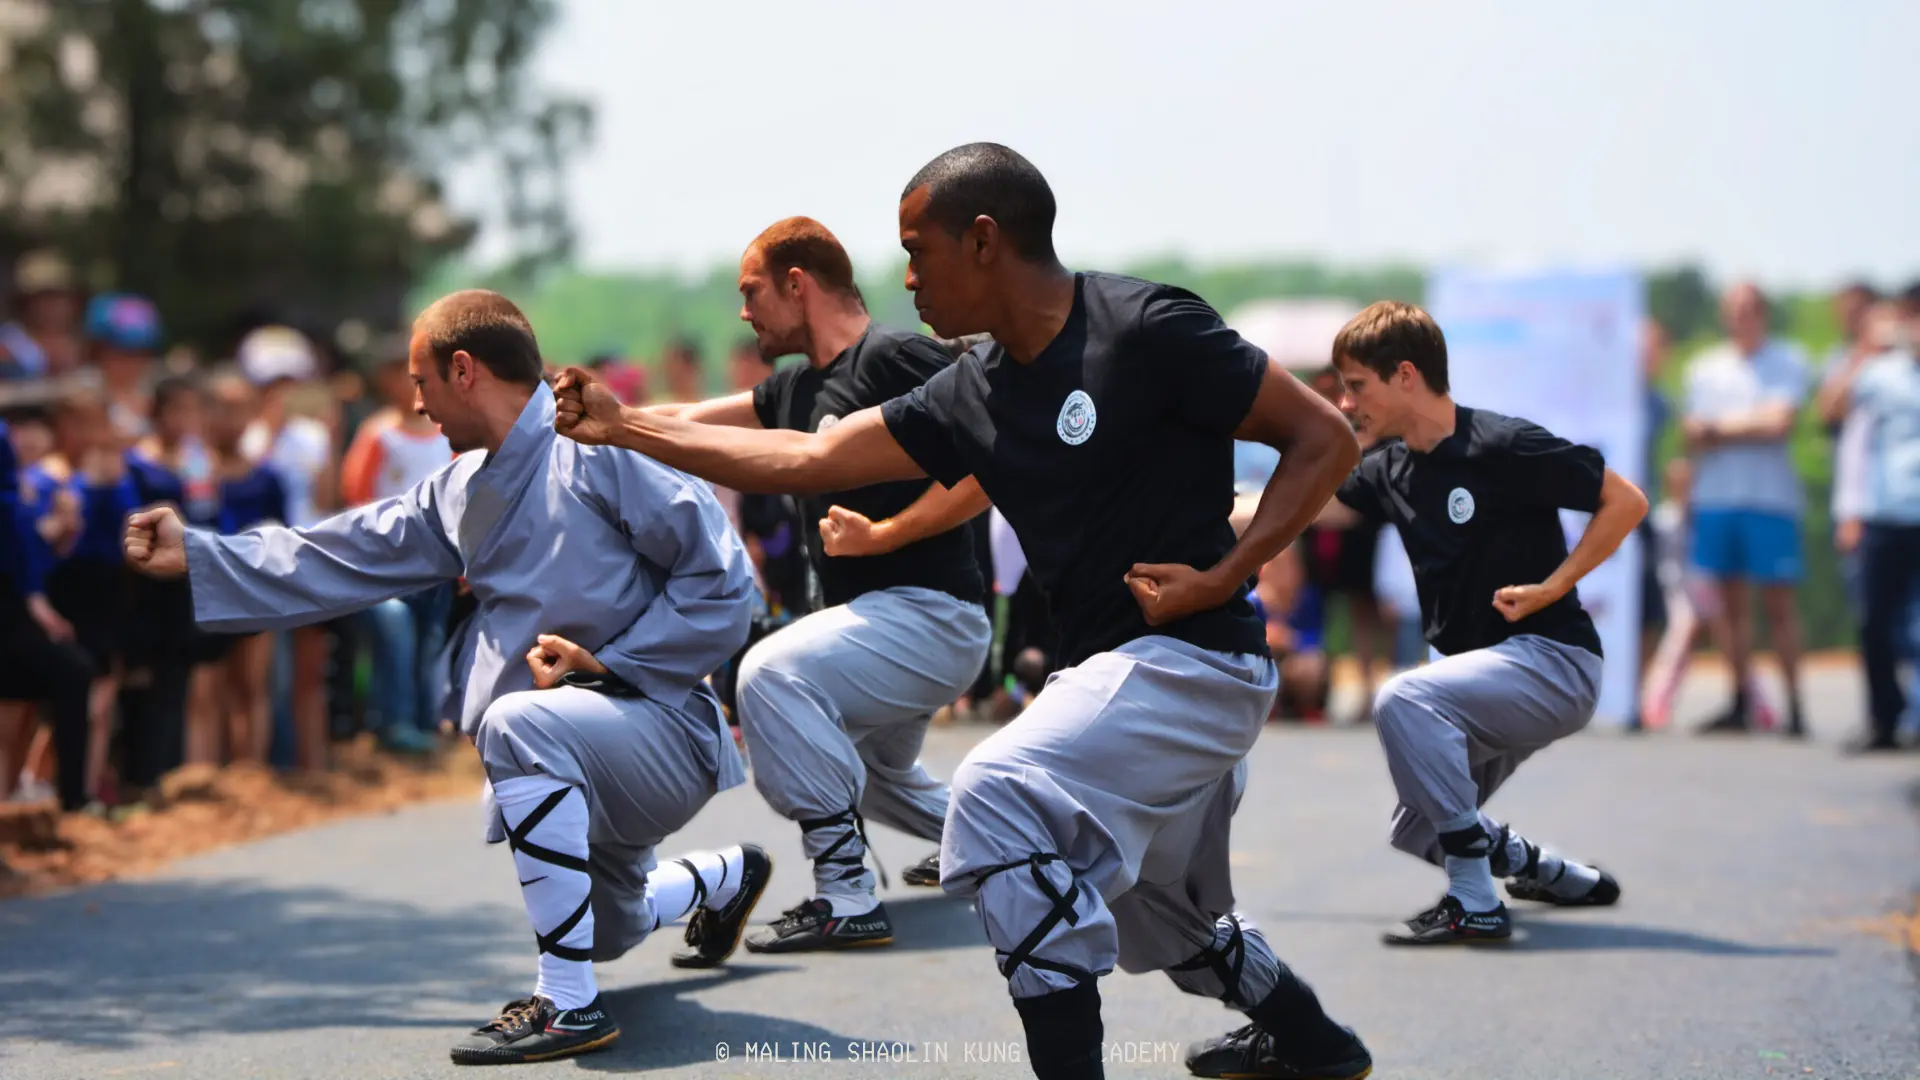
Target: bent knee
x=513 y=715
x=980 y=778
x=1399 y=697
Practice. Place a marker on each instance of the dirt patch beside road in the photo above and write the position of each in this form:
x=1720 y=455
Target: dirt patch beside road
x=201 y=808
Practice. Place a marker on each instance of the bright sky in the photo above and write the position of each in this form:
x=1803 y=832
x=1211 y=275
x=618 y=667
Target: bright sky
x=1764 y=137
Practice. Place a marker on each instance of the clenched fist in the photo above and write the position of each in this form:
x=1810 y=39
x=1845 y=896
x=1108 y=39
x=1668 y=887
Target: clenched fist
x=553 y=656
x=848 y=532
x=1168 y=592
x=156 y=543
x=584 y=409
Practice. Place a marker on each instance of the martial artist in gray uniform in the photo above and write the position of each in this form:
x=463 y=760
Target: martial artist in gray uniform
x=609 y=586
x=1093 y=830
x=1477 y=498
x=835 y=707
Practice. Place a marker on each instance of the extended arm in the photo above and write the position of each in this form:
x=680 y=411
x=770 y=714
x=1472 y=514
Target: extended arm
x=734 y=410
x=274 y=577
x=854 y=453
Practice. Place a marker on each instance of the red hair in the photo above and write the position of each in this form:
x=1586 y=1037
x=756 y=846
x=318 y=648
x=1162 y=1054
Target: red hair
x=803 y=243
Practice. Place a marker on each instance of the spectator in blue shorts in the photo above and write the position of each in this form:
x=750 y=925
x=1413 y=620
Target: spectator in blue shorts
x=1742 y=397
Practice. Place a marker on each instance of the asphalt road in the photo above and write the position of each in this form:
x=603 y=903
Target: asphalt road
x=1761 y=934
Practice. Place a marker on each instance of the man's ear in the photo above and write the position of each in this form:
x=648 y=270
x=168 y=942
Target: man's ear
x=984 y=234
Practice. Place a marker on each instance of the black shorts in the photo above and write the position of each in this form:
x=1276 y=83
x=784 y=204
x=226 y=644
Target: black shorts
x=160 y=630
x=93 y=596
x=212 y=646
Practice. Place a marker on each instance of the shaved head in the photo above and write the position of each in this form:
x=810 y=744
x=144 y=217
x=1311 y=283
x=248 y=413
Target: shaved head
x=486 y=326
x=989 y=180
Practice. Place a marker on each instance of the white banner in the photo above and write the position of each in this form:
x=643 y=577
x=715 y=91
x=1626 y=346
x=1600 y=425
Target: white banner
x=1562 y=348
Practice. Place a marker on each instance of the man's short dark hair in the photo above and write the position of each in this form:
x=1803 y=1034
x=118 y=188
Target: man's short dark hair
x=486 y=326
x=1384 y=335
x=988 y=180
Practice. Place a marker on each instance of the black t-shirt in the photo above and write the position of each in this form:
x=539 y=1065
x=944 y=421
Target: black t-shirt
x=1479 y=513
x=1113 y=447
x=883 y=364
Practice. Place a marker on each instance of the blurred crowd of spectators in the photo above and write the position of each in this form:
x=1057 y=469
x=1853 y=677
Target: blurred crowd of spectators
x=107 y=684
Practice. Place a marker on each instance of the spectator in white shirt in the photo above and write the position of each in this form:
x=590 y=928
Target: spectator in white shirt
x=1742 y=399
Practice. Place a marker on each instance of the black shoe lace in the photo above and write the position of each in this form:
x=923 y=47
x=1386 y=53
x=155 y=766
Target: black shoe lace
x=1249 y=1041
x=696 y=934
x=514 y=1014
x=798 y=915
x=1437 y=915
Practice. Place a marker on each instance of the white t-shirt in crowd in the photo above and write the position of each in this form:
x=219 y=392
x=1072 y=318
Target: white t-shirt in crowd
x=300 y=454
x=1009 y=561
x=1722 y=383
x=1393 y=576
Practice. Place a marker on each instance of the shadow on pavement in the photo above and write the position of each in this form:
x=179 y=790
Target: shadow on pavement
x=110 y=966
x=660 y=1028
x=1549 y=935
x=936 y=921
x=1542 y=932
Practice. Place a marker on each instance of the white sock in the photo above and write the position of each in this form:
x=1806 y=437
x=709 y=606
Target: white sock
x=1565 y=878
x=547 y=826
x=1470 y=881
x=1557 y=874
x=845 y=904
x=676 y=885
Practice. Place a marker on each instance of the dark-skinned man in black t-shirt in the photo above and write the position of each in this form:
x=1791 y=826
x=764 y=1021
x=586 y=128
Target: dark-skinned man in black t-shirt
x=835 y=706
x=1477 y=497
x=1093 y=832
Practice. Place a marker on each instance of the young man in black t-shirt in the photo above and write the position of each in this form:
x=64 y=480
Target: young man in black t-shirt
x=834 y=707
x=1093 y=833
x=1477 y=497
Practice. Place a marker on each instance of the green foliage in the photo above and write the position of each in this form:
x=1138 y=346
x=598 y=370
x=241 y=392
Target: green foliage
x=216 y=154
x=1682 y=301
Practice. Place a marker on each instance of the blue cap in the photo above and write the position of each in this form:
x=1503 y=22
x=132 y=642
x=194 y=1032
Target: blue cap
x=124 y=321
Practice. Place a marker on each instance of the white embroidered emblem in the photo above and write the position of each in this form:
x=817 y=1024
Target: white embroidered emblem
x=1460 y=506
x=1077 y=418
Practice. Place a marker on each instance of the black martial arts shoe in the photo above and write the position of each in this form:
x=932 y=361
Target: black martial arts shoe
x=1252 y=1051
x=713 y=935
x=532 y=1029
x=1448 y=923
x=925 y=873
x=1605 y=892
x=813 y=927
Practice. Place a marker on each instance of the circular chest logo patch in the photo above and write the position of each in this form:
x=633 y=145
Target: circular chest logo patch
x=1460 y=506
x=1077 y=418
x=826 y=424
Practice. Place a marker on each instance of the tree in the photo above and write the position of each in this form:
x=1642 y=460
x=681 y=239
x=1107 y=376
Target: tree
x=219 y=155
x=1682 y=302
